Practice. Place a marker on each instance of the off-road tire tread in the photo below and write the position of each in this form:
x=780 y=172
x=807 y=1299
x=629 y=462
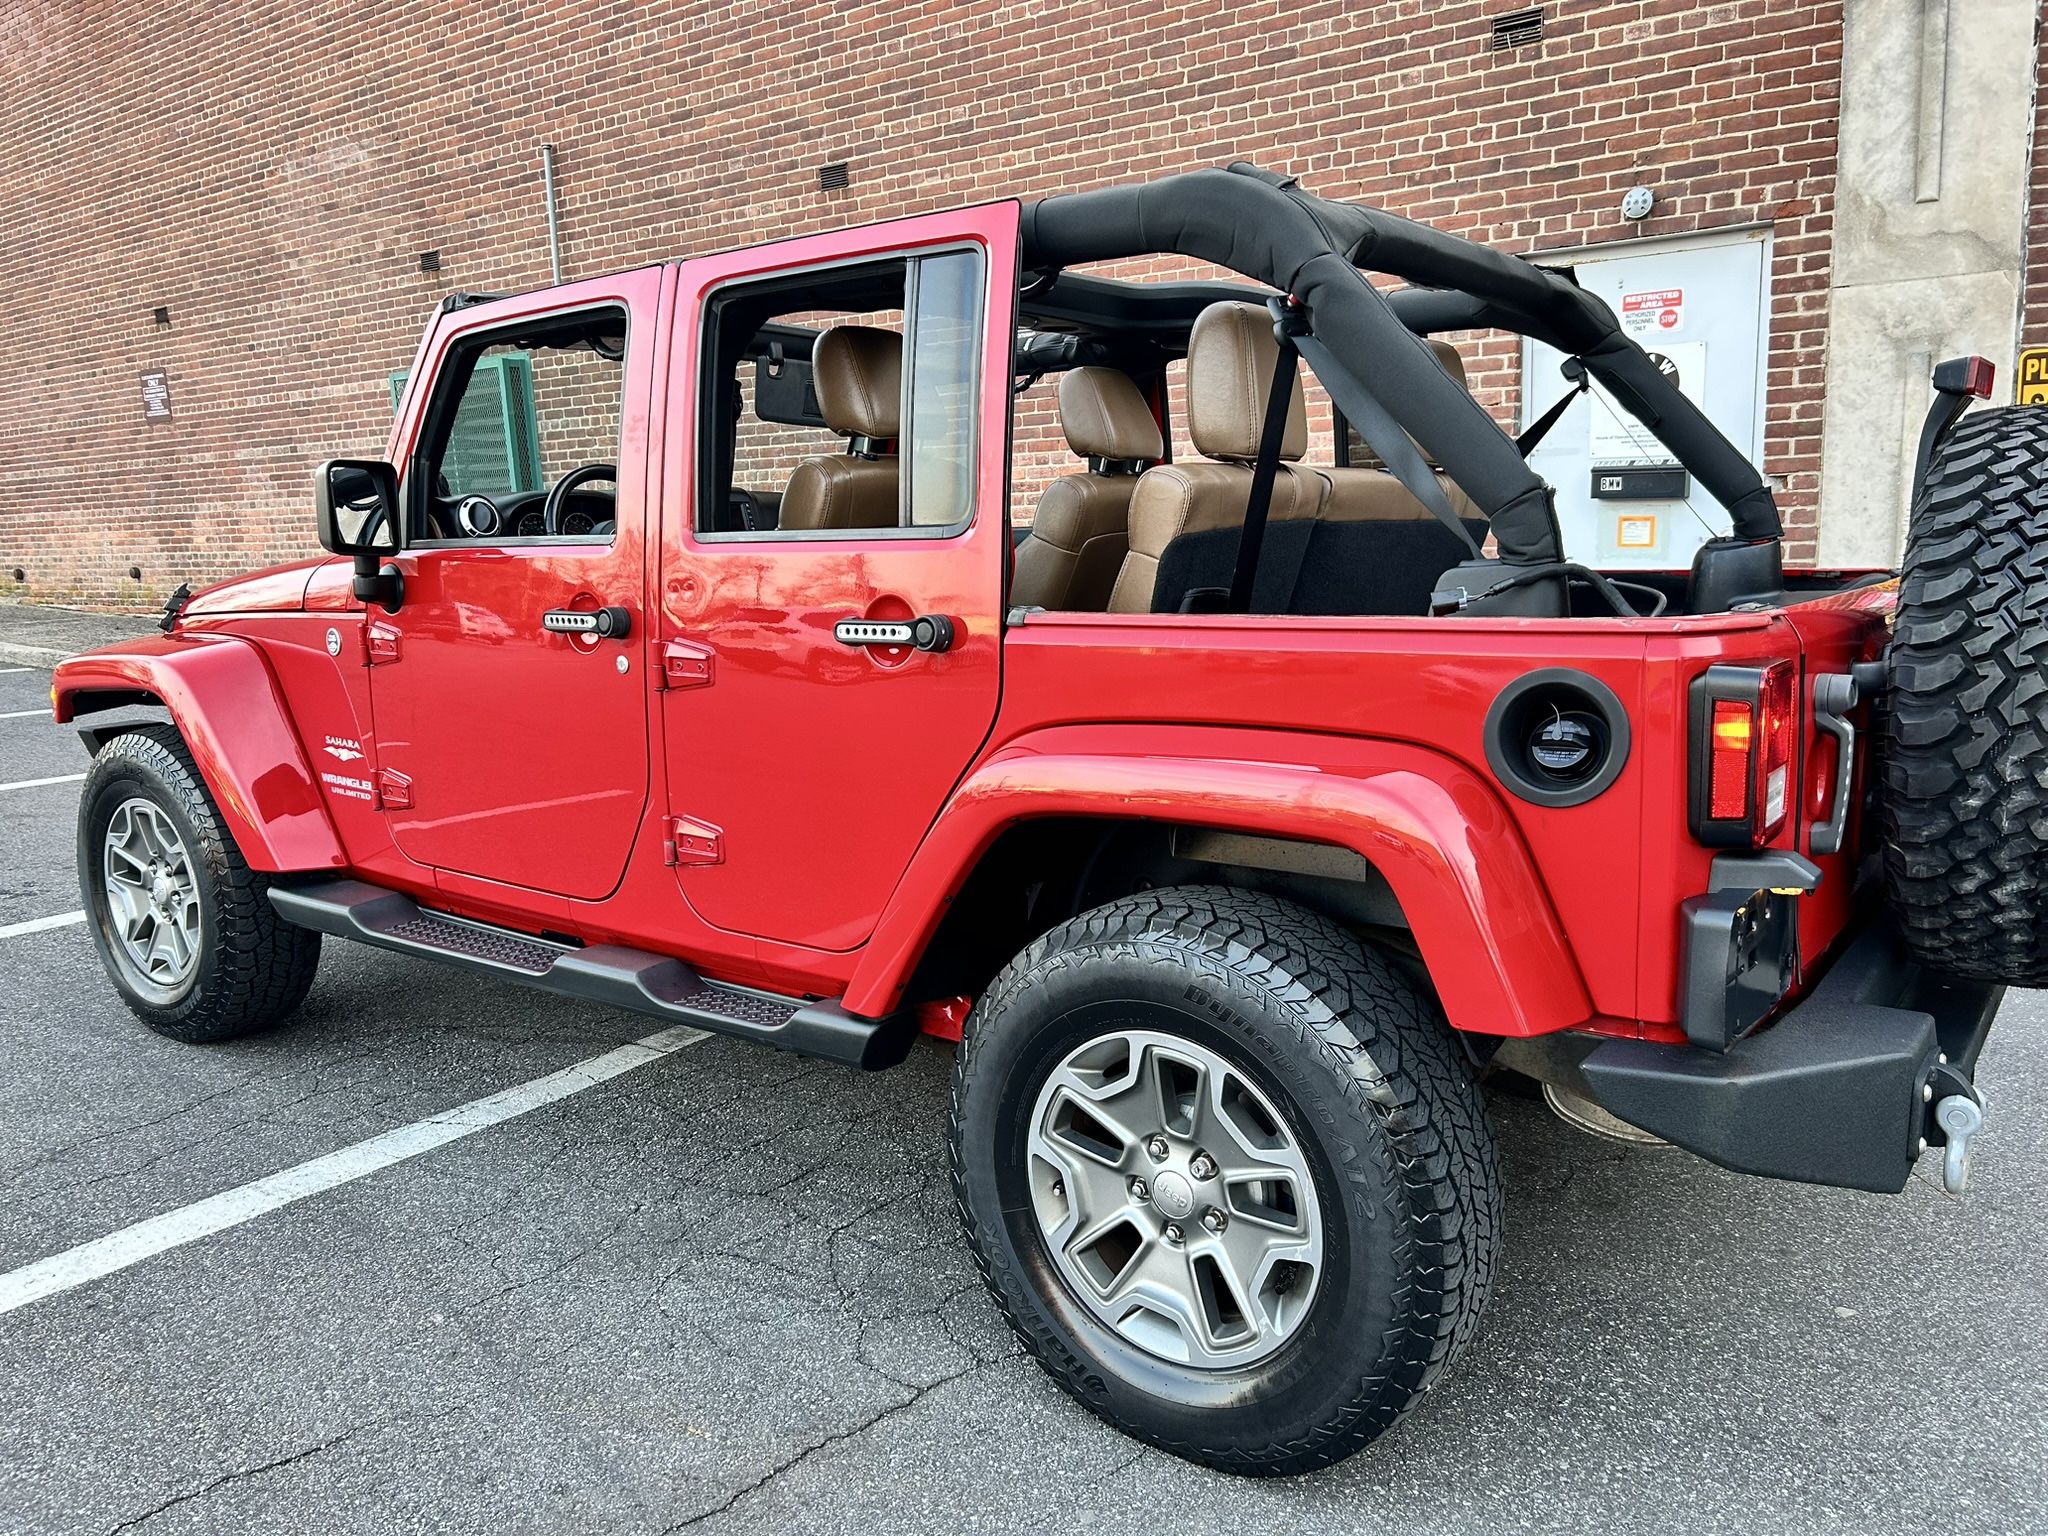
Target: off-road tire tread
x=1397 y=1064
x=264 y=966
x=1965 y=802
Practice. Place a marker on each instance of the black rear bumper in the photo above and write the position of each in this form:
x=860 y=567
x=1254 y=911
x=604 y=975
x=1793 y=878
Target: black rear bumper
x=1832 y=1092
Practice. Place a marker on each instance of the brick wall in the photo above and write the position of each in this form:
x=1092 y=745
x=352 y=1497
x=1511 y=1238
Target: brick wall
x=269 y=171
x=2034 y=291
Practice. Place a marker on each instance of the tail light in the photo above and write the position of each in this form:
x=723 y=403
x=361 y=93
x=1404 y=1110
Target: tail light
x=1743 y=734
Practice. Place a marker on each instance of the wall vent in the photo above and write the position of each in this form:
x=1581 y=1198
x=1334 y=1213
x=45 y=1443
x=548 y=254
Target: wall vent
x=1516 y=29
x=430 y=261
x=834 y=177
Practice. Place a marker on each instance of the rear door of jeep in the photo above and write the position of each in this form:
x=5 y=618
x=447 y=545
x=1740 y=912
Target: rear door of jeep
x=829 y=615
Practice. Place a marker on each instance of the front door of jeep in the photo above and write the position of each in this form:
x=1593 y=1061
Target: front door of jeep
x=829 y=621
x=508 y=687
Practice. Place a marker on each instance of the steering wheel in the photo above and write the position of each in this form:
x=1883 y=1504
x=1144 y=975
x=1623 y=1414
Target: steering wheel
x=558 y=498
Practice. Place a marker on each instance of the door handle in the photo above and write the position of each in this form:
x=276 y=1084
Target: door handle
x=606 y=623
x=931 y=632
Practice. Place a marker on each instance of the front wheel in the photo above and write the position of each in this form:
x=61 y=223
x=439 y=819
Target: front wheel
x=184 y=927
x=1226 y=1174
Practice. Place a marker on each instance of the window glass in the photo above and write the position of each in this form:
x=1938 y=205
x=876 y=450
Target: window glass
x=812 y=434
x=514 y=414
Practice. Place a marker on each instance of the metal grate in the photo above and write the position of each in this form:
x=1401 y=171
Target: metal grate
x=834 y=177
x=430 y=261
x=1517 y=29
x=742 y=1006
x=477 y=943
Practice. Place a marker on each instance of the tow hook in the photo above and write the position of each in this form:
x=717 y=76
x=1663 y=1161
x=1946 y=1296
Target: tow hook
x=1957 y=1116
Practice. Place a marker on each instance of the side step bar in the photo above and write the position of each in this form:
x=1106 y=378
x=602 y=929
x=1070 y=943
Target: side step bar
x=633 y=979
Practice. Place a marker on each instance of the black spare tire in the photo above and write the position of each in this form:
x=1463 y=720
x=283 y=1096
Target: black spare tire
x=1965 y=788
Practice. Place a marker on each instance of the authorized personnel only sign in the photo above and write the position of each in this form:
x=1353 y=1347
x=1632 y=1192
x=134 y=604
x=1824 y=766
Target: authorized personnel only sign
x=1653 y=312
x=2032 y=385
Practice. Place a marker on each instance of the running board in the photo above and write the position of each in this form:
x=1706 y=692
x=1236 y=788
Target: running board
x=633 y=979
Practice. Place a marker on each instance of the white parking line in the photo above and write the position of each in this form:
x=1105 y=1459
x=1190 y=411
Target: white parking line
x=10 y=671
x=23 y=714
x=62 y=778
x=40 y=924
x=216 y=1213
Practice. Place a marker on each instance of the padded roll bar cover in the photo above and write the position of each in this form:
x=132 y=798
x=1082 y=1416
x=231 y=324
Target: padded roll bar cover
x=1260 y=224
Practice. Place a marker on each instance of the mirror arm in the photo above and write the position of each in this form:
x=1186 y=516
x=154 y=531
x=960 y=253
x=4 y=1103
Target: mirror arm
x=376 y=582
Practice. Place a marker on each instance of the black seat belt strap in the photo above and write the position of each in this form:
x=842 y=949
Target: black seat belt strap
x=1265 y=470
x=1395 y=447
x=1538 y=429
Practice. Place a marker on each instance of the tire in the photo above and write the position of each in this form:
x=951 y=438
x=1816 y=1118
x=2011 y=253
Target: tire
x=1367 y=1082
x=234 y=967
x=1965 y=723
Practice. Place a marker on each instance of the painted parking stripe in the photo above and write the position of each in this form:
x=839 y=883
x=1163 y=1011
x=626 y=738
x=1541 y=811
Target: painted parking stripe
x=23 y=714
x=62 y=778
x=216 y=1213
x=40 y=924
x=10 y=671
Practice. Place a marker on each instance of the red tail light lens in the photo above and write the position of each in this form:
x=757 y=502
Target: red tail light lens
x=1745 y=730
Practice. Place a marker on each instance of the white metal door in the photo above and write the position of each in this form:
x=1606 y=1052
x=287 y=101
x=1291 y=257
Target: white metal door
x=1702 y=307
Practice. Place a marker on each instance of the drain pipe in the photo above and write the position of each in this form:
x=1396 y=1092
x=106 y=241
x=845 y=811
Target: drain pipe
x=547 y=186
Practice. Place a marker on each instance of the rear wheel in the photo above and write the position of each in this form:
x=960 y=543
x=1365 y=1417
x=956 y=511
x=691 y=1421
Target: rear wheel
x=1965 y=801
x=183 y=925
x=1226 y=1174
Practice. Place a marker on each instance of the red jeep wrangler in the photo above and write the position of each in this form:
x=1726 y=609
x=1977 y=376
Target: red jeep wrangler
x=682 y=655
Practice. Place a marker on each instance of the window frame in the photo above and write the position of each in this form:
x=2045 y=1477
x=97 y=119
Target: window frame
x=413 y=496
x=709 y=389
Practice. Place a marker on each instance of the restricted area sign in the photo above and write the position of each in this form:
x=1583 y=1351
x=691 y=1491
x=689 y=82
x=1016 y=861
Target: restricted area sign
x=2032 y=386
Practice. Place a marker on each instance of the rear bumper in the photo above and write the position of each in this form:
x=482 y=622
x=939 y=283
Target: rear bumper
x=1835 y=1091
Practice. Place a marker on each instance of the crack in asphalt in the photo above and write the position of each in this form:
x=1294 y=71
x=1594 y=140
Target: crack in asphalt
x=242 y=1473
x=837 y=1437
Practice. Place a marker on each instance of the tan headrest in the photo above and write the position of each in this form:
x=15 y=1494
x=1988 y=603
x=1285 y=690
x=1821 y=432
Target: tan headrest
x=857 y=371
x=1105 y=417
x=1454 y=365
x=1231 y=356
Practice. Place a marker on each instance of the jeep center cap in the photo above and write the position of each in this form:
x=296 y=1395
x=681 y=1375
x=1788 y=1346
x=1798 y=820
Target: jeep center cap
x=1173 y=1194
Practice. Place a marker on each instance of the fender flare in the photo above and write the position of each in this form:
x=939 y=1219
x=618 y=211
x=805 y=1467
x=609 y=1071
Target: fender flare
x=1436 y=832
x=225 y=701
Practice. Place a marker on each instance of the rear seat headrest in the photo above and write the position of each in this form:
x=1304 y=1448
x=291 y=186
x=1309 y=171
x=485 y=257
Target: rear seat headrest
x=1105 y=417
x=1362 y=454
x=1231 y=357
x=857 y=371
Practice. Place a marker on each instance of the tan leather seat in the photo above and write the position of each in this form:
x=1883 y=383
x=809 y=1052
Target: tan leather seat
x=1081 y=528
x=857 y=371
x=1366 y=492
x=1231 y=357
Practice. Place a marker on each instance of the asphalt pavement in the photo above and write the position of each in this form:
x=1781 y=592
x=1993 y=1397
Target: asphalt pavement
x=724 y=1291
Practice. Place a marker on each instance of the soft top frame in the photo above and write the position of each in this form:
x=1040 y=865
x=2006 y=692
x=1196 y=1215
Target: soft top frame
x=1262 y=225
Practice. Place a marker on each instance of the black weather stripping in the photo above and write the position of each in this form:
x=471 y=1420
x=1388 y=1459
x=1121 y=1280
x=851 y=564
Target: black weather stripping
x=1516 y=29
x=835 y=177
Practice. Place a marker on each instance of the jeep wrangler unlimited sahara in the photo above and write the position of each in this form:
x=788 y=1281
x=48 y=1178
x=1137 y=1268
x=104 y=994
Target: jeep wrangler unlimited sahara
x=1245 y=812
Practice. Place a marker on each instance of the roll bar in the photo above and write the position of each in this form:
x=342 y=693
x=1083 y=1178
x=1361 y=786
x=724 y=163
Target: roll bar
x=1262 y=225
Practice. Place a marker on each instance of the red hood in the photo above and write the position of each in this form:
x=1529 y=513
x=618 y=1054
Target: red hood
x=281 y=589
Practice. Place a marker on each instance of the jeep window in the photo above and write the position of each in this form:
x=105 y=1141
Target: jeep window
x=843 y=403
x=516 y=413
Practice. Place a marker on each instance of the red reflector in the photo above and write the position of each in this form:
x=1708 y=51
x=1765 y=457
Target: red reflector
x=1728 y=768
x=1983 y=373
x=1780 y=728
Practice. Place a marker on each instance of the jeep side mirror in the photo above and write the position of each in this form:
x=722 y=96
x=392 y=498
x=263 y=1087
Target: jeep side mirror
x=356 y=502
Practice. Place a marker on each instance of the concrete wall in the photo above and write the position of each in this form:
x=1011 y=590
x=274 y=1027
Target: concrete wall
x=1930 y=239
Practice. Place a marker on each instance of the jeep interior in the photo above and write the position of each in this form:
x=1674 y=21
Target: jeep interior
x=521 y=440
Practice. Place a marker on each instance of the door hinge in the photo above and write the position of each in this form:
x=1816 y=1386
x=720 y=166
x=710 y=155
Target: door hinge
x=685 y=664
x=380 y=644
x=394 y=790
x=684 y=841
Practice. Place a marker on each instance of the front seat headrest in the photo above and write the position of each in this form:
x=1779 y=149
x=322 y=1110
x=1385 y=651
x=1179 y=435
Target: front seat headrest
x=857 y=371
x=1231 y=357
x=1105 y=417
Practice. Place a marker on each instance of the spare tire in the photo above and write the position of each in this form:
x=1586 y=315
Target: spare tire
x=1965 y=725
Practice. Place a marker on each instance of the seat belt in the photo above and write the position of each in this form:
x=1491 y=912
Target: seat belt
x=1265 y=470
x=1386 y=438
x=1538 y=429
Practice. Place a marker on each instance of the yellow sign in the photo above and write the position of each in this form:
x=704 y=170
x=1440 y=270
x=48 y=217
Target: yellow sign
x=2032 y=386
